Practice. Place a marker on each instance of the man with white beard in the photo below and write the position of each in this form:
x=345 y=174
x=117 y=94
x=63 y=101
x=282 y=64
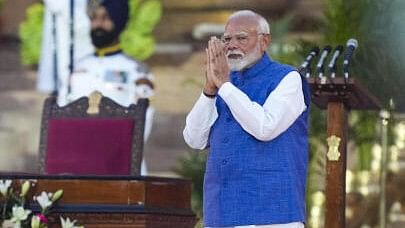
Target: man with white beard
x=252 y=114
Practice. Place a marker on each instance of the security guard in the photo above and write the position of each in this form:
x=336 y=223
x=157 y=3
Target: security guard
x=108 y=70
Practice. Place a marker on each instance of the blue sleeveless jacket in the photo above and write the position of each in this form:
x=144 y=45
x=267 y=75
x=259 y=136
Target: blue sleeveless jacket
x=253 y=182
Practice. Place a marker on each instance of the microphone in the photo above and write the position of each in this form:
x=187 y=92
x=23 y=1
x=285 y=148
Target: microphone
x=304 y=68
x=319 y=65
x=351 y=44
x=332 y=63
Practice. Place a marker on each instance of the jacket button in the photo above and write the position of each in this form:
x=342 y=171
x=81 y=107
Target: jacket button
x=228 y=119
x=225 y=140
x=224 y=162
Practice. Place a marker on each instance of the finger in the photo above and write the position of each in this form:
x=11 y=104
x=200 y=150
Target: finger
x=216 y=45
x=220 y=47
x=216 y=53
x=206 y=55
x=209 y=59
x=207 y=62
x=219 y=50
x=220 y=55
x=209 y=65
x=212 y=52
x=216 y=42
x=212 y=43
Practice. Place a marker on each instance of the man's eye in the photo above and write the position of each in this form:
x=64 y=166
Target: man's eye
x=241 y=38
x=226 y=39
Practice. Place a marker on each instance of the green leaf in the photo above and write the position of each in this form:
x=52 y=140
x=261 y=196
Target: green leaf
x=137 y=45
x=30 y=32
x=137 y=39
x=148 y=16
x=1 y=4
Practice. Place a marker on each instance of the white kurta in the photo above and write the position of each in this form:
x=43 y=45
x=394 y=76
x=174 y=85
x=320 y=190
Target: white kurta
x=263 y=122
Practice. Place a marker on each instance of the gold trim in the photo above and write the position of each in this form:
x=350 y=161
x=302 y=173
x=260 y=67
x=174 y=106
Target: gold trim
x=333 y=151
x=103 y=51
x=94 y=103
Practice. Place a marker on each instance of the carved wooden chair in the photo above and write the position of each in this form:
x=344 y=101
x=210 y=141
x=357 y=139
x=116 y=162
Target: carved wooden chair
x=92 y=136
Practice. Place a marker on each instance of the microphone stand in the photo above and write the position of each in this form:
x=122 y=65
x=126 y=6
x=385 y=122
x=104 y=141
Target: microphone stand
x=320 y=67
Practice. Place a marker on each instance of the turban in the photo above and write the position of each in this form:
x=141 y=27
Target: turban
x=118 y=10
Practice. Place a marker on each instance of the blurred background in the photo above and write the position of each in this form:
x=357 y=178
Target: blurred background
x=174 y=51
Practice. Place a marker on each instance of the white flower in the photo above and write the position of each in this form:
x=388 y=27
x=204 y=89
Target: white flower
x=43 y=200
x=19 y=214
x=4 y=185
x=68 y=224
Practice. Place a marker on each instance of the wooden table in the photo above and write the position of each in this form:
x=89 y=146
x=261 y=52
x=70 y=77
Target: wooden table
x=115 y=201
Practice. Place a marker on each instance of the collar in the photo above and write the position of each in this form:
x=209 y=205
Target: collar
x=252 y=71
x=107 y=51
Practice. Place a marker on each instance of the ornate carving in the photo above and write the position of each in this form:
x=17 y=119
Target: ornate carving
x=94 y=103
x=333 y=151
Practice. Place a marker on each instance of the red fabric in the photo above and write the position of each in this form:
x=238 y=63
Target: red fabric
x=83 y=146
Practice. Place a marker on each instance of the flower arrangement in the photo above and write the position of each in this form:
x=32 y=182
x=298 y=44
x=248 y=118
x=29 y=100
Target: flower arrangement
x=14 y=213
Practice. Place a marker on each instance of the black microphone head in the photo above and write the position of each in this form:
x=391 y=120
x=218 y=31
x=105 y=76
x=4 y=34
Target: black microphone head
x=327 y=48
x=352 y=42
x=339 y=48
x=316 y=50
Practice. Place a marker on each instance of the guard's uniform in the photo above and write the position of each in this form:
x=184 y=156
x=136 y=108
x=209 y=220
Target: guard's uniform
x=116 y=76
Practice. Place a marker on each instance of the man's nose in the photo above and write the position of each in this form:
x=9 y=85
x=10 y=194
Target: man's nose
x=96 y=22
x=232 y=44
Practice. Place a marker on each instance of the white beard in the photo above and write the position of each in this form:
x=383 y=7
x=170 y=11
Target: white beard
x=246 y=60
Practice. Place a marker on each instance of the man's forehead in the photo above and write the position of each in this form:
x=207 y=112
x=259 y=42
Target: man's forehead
x=241 y=25
x=94 y=5
x=99 y=10
x=242 y=33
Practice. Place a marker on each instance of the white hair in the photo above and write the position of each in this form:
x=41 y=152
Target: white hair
x=262 y=24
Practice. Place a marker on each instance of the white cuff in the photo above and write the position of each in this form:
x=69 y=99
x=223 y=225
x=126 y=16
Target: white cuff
x=226 y=89
x=206 y=100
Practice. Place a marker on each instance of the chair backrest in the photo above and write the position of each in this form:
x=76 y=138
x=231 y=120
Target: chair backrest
x=92 y=136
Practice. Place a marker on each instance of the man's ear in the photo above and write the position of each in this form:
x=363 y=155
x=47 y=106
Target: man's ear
x=265 y=42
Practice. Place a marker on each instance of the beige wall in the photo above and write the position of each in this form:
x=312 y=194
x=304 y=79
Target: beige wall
x=12 y=14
